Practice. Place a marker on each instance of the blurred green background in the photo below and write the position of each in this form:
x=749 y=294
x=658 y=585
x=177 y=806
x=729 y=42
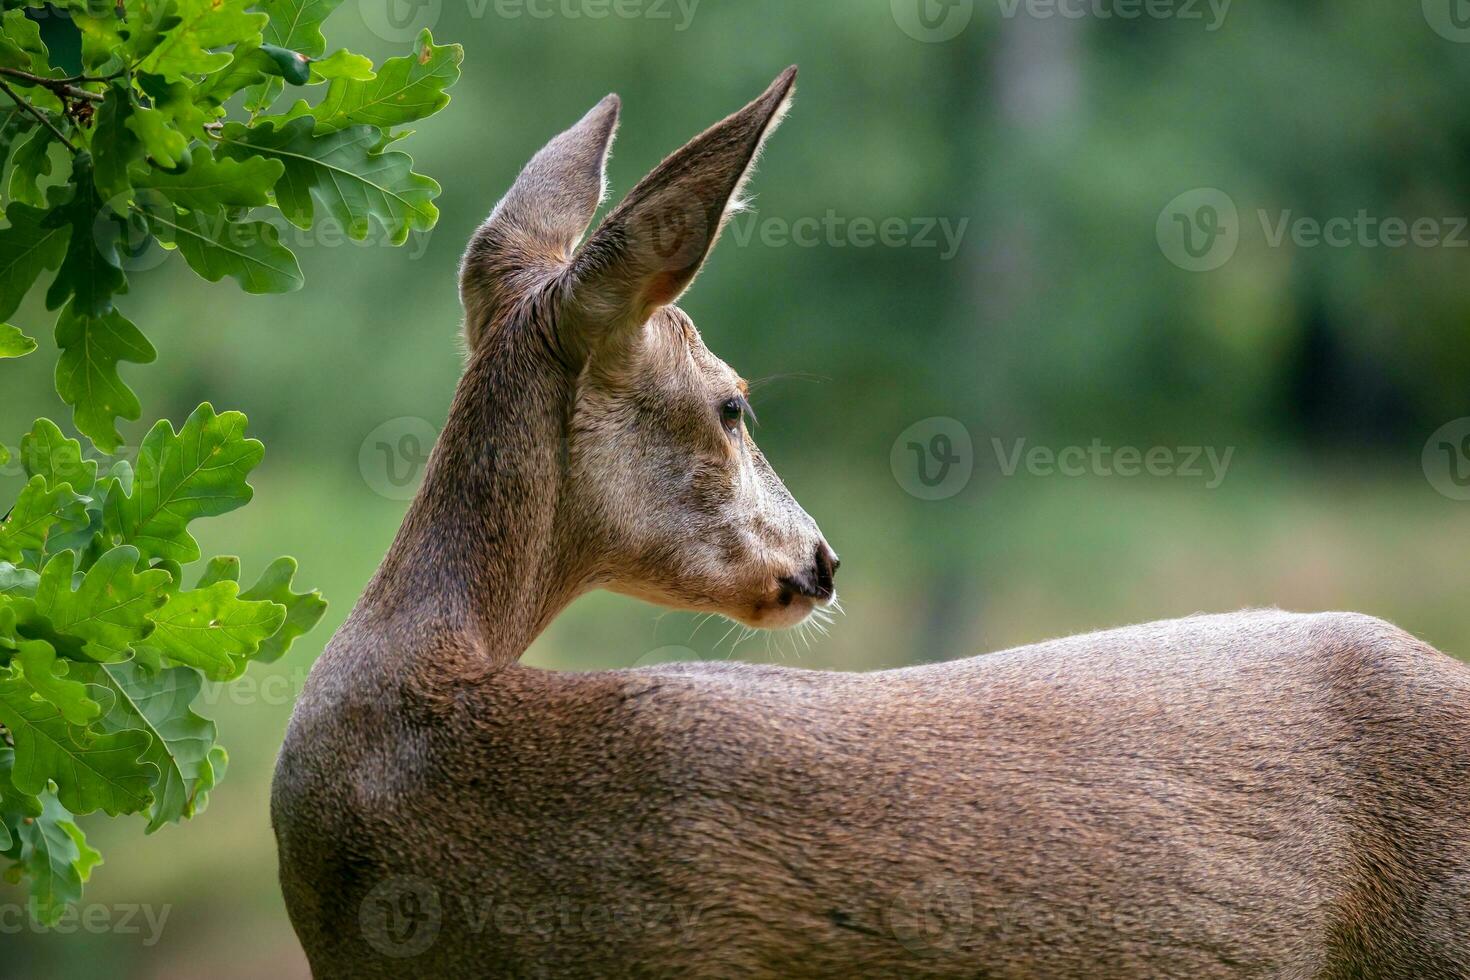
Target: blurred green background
x=1067 y=156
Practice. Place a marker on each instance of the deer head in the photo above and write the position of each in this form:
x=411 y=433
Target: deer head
x=661 y=492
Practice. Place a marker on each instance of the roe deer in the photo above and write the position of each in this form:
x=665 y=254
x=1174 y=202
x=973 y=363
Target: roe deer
x=1250 y=795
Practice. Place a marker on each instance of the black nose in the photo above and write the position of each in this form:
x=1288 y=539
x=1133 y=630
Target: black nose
x=827 y=565
x=816 y=581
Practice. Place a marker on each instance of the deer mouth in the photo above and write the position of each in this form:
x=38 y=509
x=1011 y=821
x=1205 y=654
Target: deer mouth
x=789 y=603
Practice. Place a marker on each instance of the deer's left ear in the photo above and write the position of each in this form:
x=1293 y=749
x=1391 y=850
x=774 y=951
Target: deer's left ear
x=535 y=227
x=650 y=248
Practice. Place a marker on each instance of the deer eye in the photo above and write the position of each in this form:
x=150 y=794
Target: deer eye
x=731 y=413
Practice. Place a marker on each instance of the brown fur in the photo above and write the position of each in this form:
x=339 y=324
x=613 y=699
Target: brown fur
x=1253 y=795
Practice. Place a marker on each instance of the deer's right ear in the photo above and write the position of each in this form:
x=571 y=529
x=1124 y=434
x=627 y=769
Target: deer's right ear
x=650 y=248
x=536 y=227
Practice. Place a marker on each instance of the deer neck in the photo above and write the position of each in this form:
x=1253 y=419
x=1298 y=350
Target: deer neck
x=479 y=562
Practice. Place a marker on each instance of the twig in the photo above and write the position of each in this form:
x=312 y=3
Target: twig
x=41 y=116
x=61 y=86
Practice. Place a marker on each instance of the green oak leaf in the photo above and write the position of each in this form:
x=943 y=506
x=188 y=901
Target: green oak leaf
x=55 y=856
x=213 y=630
x=37 y=512
x=15 y=122
x=221 y=568
x=354 y=184
x=158 y=702
x=177 y=102
x=92 y=268
x=250 y=252
x=188 y=47
x=403 y=90
x=210 y=183
x=48 y=676
x=15 y=807
x=250 y=67
x=303 y=609
x=342 y=64
x=297 y=24
x=111 y=608
x=13 y=343
x=15 y=580
x=294 y=25
x=26 y=50
x=86 y=373
x=31 y=162
x=198 y=472
x=91 y=771
x=165 y=145
x=27 y=248
x=45 y=451
x=115 y=145
x=102 y=40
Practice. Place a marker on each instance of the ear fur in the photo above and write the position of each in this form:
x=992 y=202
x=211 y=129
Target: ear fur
x=650 y=248
x=537 y=225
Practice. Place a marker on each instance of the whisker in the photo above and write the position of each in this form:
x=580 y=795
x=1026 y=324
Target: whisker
x=733 y=628
x=706 y=617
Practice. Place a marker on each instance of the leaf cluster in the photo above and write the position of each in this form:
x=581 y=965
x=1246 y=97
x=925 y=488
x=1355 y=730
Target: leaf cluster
x=172 y=131
x=166 y=135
